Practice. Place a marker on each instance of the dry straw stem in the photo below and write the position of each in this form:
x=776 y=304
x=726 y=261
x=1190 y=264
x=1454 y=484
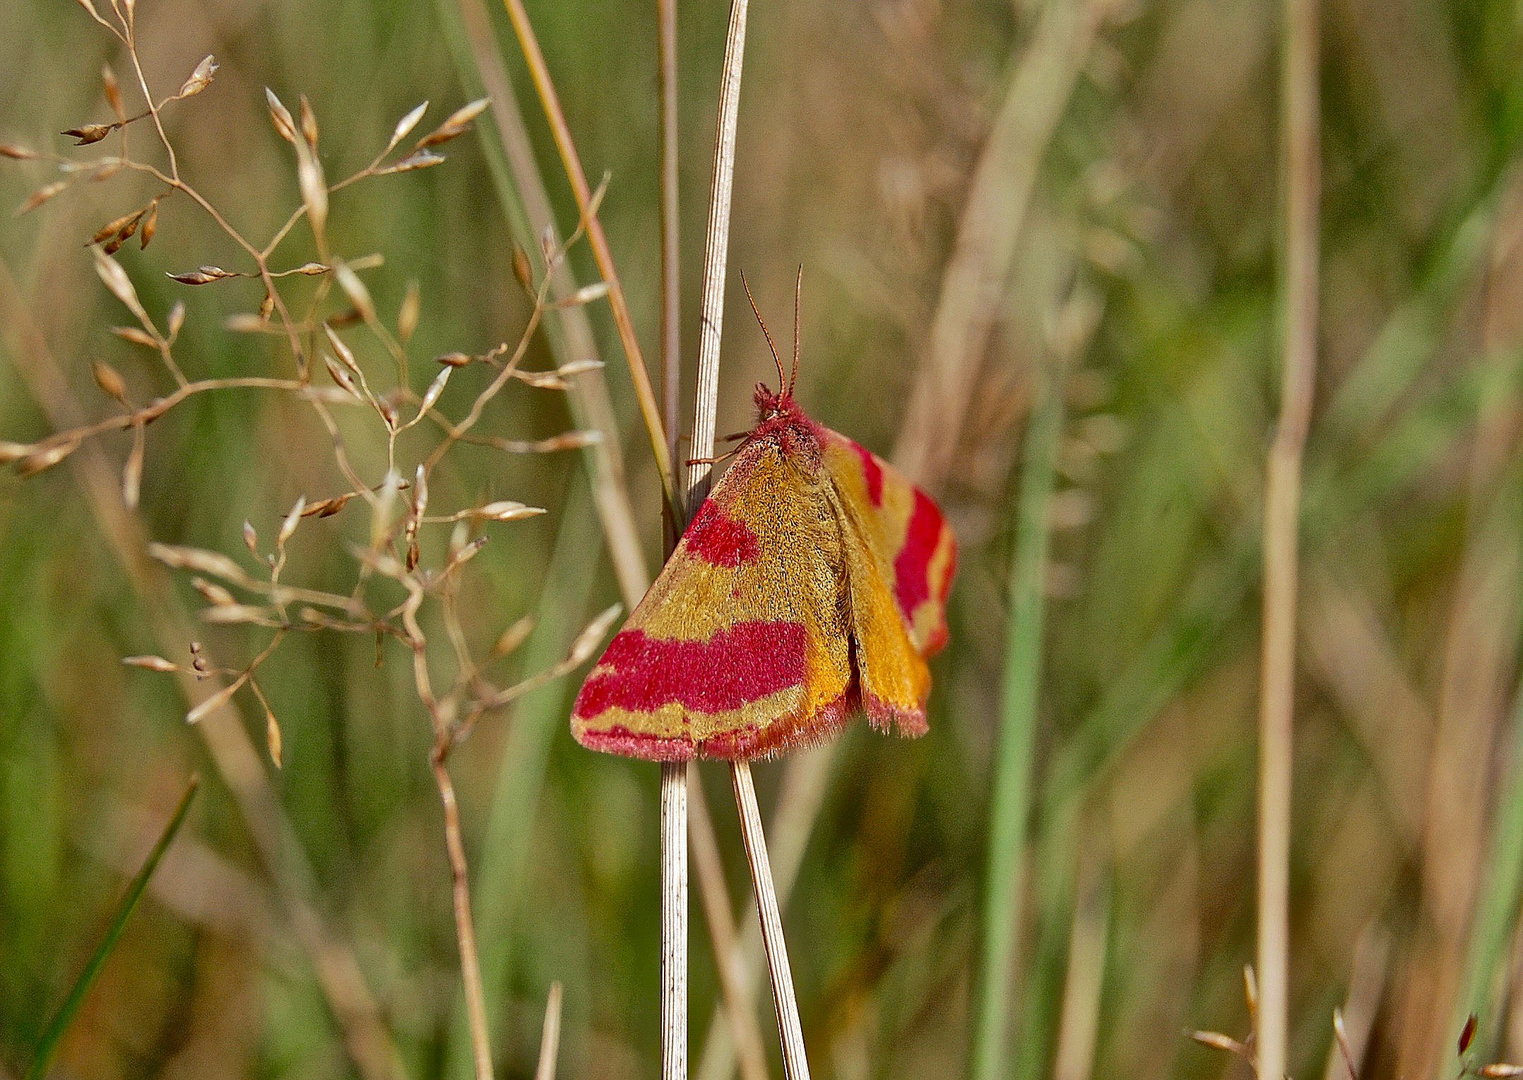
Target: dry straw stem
x=705 y=413
x=366 y=1038
x=1301 y=179
x=999 y=196
x=721 y=921
x=790 y=1031
x=801 y=793
x=646 y=396
x=671 y=281
x=550 y=1035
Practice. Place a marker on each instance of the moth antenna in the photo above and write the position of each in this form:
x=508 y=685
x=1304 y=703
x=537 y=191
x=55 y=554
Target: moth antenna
x=798 y=292
x=781 y=382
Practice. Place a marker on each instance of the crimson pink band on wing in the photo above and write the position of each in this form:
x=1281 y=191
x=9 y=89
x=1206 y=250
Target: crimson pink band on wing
x=871 y=471
x=738 y=665
x=719 y=539
x=913 y=564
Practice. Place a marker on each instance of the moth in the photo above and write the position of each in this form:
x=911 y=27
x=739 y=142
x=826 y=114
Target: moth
x=810 y=586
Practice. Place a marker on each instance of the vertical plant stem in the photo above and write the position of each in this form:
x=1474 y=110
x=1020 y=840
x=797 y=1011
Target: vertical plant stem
x=790 y=1031
x=671 y=282
x=674 y=775
x=601 y=252
x=1004 y=887
x=1282 y=514
x=733 y=981
x=716 y=252
x=470 y=963
x=550 y=1036
x=715 y=257
x=674 y=920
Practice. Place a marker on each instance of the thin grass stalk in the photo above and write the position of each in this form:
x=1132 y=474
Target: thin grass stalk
x=596 y=238
x=1496 y=914
x=59 y=1025
x=728 y=958
x=1004 y=885
x=674 y=920
x=674 y=775
x=801 y=793
x=460 y=891
x=705 y=414
x=790 y=1030
x=671 y=282
x=550 y=1036
x=1282 y=514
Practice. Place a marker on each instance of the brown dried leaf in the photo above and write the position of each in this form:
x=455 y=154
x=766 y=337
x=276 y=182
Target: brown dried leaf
x=109 y=379
x=150 y=224
x=40 y=196
x=409 y=312
x=111 y=228
x=342 y=377
x=199 y=79
x=135 y=335
x=308 y=123
x=1467 y=1033
x=314 y=188
x=523 y=271
x=199 y=559
x=589 y=639
x=45 y=457
x=90 y=133
x=355 y=289
x=151 y=663
x=113 y=92
x=237 y=614
x=288 y=526
x=245 y=322
x=435 y=388
x=585 y=295
x=455 y=125
x=514 y=636
x=506 y=510
x=272 y=735
x=213 y=593
x=328 y=507
x=1216 y=1040
x=568 y=440
x=280 y=116
x=214 y=702
x=204 y=275
x=420 y=159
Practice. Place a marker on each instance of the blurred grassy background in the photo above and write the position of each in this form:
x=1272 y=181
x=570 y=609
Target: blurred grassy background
x=1152 y=204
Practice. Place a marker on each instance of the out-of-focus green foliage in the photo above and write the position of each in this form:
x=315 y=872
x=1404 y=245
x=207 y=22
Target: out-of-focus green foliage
x=861 y=127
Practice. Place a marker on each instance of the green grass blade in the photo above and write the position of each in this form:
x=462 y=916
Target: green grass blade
x=59 y=1025
x=1004 y=886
